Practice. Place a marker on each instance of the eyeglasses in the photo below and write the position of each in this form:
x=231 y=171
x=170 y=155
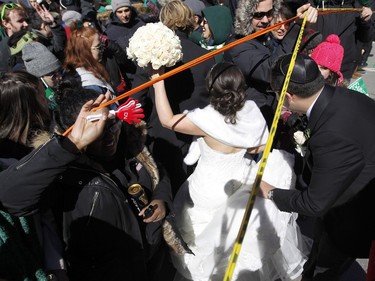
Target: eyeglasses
x=8 y=6
x=56 y=74
x=260 y=15
x=98 y=48
x=204 y=21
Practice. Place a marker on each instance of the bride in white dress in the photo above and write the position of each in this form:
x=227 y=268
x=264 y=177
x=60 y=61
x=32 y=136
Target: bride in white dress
x=210 y=205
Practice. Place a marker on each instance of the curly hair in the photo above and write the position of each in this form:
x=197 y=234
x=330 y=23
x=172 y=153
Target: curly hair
x=78 y=53
x=226 y=87
x=245 y=13
x=176 y=15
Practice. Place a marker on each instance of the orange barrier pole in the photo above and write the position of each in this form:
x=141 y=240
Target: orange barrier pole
x=187 y=65
x=205 y=57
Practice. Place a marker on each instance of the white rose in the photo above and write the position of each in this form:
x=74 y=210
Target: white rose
x=299 y=137
x=154 y=44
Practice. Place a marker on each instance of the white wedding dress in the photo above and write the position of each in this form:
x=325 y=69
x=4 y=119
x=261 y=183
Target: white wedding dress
x=211 y=204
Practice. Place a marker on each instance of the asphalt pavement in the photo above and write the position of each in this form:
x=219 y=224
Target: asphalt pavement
x=368 y=73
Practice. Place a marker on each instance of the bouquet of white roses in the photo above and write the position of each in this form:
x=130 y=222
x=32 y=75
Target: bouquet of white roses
x=154 y=44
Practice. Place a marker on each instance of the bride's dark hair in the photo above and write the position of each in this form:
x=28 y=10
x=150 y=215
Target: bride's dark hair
x=226 y=88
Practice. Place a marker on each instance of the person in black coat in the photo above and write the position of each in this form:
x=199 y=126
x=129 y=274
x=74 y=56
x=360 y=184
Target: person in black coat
x=340 y=153
x=187 y=90
x=84 y=179
x=255 y=57
x=49 y=32
x=123 y=23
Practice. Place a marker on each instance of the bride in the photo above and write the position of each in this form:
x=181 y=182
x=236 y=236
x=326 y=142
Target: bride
x=211 y=204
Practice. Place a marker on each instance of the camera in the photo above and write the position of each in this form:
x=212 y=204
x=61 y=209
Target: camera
x=139 y=199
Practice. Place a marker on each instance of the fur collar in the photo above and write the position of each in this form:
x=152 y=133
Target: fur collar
x=135 y=142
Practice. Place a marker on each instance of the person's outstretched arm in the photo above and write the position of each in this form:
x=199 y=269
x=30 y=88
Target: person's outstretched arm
x=23 y=183
x=169 y=120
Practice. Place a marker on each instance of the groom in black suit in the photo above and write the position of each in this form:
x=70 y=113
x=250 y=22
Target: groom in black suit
x=341 y=157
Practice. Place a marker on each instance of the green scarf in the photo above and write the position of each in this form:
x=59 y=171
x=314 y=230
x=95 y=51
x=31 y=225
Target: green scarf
x=21 y=256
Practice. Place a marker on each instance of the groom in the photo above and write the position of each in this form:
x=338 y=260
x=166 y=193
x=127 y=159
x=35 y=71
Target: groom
x=341 y=157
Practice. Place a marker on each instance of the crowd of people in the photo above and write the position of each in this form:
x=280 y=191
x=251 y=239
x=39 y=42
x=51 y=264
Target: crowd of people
x=154 y=187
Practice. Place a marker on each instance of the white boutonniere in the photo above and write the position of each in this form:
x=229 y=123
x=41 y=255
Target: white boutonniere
x=300 y=138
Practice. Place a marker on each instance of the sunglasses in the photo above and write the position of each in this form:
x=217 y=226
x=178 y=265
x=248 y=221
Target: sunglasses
x=56 y=74
x=8 y=6
x=260 y=15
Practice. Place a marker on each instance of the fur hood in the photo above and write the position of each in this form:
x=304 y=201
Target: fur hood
x=244 y=15
x=135 y=141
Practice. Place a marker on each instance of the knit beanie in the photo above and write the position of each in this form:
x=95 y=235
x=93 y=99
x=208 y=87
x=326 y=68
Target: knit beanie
x=196 y=5
x=38 y=60
x=329 y=54
x=70 y=16
x=117 y=4
x=70 y=5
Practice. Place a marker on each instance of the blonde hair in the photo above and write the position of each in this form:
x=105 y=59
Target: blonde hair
x=11 y=7
x=177 y=16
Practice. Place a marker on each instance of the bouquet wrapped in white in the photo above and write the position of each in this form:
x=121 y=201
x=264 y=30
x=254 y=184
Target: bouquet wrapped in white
x=156 y=45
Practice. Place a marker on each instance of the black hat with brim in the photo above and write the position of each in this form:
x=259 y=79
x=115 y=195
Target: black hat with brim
x=305 y=69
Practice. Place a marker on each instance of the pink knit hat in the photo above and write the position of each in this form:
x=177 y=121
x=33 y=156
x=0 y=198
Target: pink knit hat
x=329 y=54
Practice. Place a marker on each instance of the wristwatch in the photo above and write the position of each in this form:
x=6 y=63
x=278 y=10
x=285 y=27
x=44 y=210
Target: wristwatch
x=270 y=195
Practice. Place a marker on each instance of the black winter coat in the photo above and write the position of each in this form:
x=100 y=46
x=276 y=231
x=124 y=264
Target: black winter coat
x=120 y=33
x=57 y=43
x=186 y=90
x=104 y=238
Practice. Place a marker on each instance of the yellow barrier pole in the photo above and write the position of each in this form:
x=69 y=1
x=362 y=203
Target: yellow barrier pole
x=250 y=204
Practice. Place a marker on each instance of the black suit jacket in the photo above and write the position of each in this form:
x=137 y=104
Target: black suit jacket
x=342 y=160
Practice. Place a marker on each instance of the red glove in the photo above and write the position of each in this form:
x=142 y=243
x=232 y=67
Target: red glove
x=104 y=40
x=131 y=111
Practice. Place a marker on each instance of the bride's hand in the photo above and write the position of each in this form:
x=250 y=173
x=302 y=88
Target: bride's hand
x=155 y=73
